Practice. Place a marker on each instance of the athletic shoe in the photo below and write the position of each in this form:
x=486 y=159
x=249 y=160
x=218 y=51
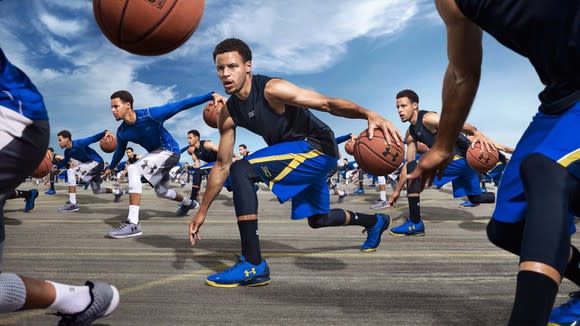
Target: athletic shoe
x=409 y=229
x=182 y=210
x=468 y=204
x=359 y=191
x=374 y=233
x=341 y=197
x=104 y=300
x=50 y=192
x=125 y=230
x=243 y=273
x=85 y=185
x=380 y=205
x=118 y=196
x=567 y=314
x=68 y=207
x=29 y=202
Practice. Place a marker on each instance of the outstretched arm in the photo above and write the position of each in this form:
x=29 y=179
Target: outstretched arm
x=166 y=111
x=89 y=140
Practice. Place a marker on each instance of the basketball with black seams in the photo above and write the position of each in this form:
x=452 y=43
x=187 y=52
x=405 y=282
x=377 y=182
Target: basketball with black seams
x=211 y=113
x=482 y=161
x=148 y=27
x=44 y=167
x=108 y=143
x=375 y=156
x=349 y=147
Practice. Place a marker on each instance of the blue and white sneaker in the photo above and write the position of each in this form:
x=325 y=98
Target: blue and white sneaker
x=468 y=204
x=359 y=191
x=409 y=229
x=182 y=210
x=68 y=207
x=567 y=314
x=375 y=232
x=29 y=202
x=243 y=273
x=50 y=192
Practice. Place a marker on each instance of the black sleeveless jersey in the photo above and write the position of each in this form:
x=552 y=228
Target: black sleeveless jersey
x=132 y=159
x=419 y=133
x=547 y=32
x=295 y=123
x=205 y=155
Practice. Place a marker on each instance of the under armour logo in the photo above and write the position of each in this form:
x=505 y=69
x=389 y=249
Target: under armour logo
x=248 y=272
x=251 y=114
x=151 y=168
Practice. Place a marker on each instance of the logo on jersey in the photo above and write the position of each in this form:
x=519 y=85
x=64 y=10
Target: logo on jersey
x=251 y=114
x=266 y=171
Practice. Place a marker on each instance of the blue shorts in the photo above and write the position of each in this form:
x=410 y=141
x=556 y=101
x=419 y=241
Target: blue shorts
x=464 y=179
x=296 y=170
x=556 y=137
x=496 y=173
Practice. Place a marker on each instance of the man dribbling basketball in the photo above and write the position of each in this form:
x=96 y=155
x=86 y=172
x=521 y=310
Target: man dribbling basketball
x=302 y=151
x=423 y=128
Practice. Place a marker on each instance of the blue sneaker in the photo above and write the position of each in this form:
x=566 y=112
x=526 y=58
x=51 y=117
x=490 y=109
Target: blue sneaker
x=374 y=233
x=29 y=202
x=567 y=314
x=409 y=229
x=359 y=191
x=50 y=192
x=468 y=204
x=242 y=273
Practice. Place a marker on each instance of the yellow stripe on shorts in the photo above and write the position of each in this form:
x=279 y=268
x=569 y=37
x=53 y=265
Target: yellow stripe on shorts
x=297 y=159
x=570 y=158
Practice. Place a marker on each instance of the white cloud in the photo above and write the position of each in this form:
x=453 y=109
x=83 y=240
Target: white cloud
x=61 y=27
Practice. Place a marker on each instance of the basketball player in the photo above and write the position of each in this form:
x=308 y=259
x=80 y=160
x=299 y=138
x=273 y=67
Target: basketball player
x=145 y=127
x=203 y=150
x=243 y=150
x=88 y=170
x=424 y=125
x=24 y=133
x=301 y=151
x=540 y=189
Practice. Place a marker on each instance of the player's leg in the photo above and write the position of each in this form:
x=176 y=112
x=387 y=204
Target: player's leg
x=71 y=205
x=382 y=203
x=130 y=227
x=414 y=225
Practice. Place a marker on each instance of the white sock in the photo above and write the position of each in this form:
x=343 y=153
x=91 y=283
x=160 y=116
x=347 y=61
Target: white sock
x=70 y=299
x=383 y=195
x=186 y=201
x=72 y=197
x=133 y=214
x=116 y=191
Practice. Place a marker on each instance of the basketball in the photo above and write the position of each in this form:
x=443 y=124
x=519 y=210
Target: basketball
x=44 y=167
x=376 y=157
x=210 y=114
x=190 y=150
x=349 y=147
x=481 y=161
x=148 y=27
x=108 y=143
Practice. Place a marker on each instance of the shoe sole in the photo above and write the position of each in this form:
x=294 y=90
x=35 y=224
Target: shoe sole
x=124 y=236
x=385 y=227
x=253 y=282
x=114 y=302
x=407 y=235
x=69 y=210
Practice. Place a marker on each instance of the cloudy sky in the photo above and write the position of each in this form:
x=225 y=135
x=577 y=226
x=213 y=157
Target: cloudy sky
x=362 y=50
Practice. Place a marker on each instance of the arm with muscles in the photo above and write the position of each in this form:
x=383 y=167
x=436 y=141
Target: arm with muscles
x=118 y=155
x=280 y=92
x=410 y=156
x=432 y=121
x=459 y=88
x=93 y=139
x=219 y=173
x=166 y=111
x=342 y=139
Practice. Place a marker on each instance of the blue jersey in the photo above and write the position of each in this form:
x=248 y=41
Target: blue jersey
x=148 y=130
x=81 y=151
x=17 y=92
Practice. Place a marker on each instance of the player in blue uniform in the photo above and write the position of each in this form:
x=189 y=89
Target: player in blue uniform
x=424 y=125
x=301 y=152
x=24 y=133
x=88 y=170
x=539 y=193
x=145 y=127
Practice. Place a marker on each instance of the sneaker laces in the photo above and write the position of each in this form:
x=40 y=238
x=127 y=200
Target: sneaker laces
x=122 y=225
x=239 y=261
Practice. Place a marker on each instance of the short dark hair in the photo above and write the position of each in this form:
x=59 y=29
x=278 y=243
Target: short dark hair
x=244 y=146
x=51 y=149
x=129 y=148
x=194 y=132
x=64 y=134
x=233 y=45
x=124 y=96
x=411 y=95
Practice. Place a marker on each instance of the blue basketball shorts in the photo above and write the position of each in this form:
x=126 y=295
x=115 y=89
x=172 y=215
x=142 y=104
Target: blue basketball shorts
x=554 y=136
x=464 y=179
x=296 y=170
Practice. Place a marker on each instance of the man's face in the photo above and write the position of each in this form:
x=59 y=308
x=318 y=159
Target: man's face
x=120 y=108
x=191 y=139
x=62 y=141
x=242 y=150
x=129 y=153
x=232 y=71
x=406 y=108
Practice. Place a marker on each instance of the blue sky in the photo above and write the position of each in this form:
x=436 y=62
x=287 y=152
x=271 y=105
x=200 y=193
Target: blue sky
x=362 y=50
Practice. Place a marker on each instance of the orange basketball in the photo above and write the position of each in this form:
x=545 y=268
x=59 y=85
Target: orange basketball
x=44 y=167
x=190 y=150
x=148 y=27
x=349 y=147
x=108 y=143
x=210 y=114
x=375 y=156
x=481 y=161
